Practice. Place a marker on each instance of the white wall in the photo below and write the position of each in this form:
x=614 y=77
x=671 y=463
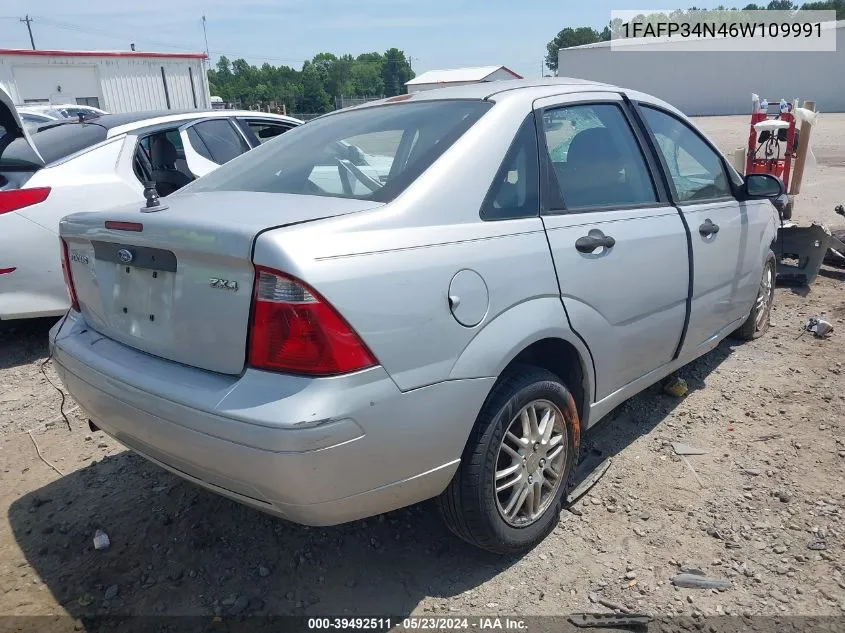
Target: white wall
x=500 y=74
x=124 y=84
x=419 y=87
x=715 y=83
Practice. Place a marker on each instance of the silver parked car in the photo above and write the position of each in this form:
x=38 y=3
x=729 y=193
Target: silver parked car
x=432 y=295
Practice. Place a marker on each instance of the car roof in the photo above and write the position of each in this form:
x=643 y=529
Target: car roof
x=123 y=123
x=487 y=89
x=526 y=90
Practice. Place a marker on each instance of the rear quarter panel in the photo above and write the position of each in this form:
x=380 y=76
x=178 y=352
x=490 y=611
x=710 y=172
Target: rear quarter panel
x=397 y=296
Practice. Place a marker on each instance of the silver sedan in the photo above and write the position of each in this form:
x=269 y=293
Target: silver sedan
x=433 y=295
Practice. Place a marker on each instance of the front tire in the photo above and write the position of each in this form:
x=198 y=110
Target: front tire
x=507 y=493
x=757 y=322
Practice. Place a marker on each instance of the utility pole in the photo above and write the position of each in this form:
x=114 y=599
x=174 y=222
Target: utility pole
x=205 y=35
x=29 y=22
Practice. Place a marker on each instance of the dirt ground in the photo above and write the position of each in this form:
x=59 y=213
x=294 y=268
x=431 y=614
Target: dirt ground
x=762 y=508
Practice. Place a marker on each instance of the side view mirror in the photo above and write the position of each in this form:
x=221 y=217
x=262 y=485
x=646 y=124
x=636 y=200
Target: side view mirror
x=764 y=186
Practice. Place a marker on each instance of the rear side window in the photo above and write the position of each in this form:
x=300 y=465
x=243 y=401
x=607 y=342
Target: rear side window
x=222 y=141
x=266 y=130
x=515 y=190
x=198 y=144
x=695 y=169
x=370 y=154
x=595 y=159
x=54 y=144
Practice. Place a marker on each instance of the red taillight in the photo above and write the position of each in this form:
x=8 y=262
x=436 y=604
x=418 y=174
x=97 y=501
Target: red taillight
x=71 y=291
x=15 y=199
x=295 y=330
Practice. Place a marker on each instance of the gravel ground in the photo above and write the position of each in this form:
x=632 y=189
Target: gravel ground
x=762 y=508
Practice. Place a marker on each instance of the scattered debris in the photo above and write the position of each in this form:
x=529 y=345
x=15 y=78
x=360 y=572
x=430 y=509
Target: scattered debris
x=590 y=481
x=766 y=438
x=818 y=327
x=676 y=387
x=692 y=470
x=41 y=457
x=263 y=571
x=608 y=620
x=715 y=533
x=782 y=495
x=817 y=544
x=696 y=581
x=686 y=449
x=239 y=605
x=101 y=540
x=615 y=606
x=111 y=592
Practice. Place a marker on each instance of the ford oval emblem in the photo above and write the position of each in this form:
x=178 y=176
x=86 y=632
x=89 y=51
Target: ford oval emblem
x=124 y=255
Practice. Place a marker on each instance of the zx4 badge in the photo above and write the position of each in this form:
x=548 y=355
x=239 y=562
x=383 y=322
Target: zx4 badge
x=223 y=284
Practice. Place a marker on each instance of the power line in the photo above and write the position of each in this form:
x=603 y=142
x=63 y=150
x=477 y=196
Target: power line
x=237 y=54
x=28 y=21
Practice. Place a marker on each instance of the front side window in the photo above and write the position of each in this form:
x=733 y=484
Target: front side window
x=595 y=159
x=370 y=154
x=695 y=169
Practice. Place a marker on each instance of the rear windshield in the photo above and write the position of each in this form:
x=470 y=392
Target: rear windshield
x=369 y=154
x=54 y=143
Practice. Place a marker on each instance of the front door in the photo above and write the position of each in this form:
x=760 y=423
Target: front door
x=619 y=246
x=725 y=269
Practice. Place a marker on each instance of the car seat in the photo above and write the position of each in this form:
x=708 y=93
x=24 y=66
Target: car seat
x=165 y=175
x=591 y=175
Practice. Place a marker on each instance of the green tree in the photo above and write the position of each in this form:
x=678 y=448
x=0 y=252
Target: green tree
x=570 y=37
x=830 y=5
x=366 y=79
x=395 y=71
x=315 y=99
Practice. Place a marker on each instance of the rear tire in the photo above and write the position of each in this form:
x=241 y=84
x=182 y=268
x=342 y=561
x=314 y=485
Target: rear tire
x=757 y=322
x=527 y=433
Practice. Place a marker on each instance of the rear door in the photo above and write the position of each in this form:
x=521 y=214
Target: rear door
x=724 y=267
x=619 y=246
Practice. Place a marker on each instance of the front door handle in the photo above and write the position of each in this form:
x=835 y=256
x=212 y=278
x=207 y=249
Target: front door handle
x=708 y=228
x=596 y=239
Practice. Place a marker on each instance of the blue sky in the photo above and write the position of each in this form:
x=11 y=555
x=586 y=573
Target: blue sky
x=435 y=33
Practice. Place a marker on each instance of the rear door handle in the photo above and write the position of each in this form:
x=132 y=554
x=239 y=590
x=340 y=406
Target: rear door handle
x=708 y=228
x=596 y=239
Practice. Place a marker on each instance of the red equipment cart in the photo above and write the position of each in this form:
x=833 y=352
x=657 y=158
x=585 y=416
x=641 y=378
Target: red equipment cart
x=772 y=144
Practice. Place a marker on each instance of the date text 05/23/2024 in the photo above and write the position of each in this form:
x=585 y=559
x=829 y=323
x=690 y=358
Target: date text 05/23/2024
x=417 y=623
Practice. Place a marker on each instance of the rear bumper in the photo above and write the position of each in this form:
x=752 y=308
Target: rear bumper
x=314 y=451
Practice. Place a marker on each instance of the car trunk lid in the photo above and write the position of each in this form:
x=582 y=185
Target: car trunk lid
x=13 y=127
x=177 y=283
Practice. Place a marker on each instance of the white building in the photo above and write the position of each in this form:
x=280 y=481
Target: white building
x=702 y=82
x=459 y=77
x=116 y=81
